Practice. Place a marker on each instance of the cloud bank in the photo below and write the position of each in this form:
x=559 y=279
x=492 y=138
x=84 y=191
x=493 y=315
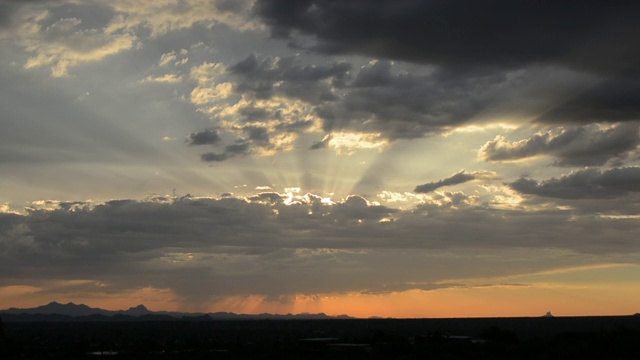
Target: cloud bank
x=278 y=244
x=590 y=145
x=585 y=184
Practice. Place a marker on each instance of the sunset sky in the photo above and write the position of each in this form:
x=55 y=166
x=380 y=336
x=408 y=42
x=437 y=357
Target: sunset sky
x=439 y=158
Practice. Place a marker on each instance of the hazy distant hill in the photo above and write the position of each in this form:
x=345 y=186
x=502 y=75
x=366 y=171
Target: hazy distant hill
x=75 y=310
x=55 y=311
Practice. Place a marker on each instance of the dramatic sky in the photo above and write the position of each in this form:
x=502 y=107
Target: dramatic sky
x=393 y=158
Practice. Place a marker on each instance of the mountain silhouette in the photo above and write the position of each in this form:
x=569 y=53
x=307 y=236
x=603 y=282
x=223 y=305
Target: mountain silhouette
x=138 y=311
x=55 y=311
x=69 y=309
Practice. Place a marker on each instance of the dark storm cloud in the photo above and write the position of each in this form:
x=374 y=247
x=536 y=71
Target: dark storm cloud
x=457 y=178
x=575 y=146
x=595 y=36
x=585 y=184
x=204 y=137
x=612 y=100
x=472 y=45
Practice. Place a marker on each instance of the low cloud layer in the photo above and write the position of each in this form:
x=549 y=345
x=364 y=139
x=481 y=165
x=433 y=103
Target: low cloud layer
x=585 y=184
x=589 y=145
x=276 y=244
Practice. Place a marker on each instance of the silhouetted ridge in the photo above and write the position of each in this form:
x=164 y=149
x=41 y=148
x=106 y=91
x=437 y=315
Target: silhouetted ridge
x=138 y=310
x=55 y=311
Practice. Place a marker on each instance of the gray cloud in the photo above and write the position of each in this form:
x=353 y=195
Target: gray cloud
x=238 y=149
x=204 y=137
x=585 y=184
x=501 y=33
x=214 y=157
x=7 y=8
x=264 y=77
x=399 y=104
x=457 y=178
x=322 y=144
x=573 y=146
x=257 y=134
x=234 y=6
x=612 y=100
x=272 y=126
x=267 y=244
x=381 y=98
x=469 y=42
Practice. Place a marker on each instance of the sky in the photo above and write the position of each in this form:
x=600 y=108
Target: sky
x=394 y=158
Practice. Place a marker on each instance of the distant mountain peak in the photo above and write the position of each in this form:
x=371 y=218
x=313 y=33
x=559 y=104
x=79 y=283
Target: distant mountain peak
x=548 y=314
x=138 y=310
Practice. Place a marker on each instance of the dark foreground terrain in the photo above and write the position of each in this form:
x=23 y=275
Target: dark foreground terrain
x=611 y=337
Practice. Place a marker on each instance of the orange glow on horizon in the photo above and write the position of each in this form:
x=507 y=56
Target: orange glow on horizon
x=497 y=301
x=481 y=301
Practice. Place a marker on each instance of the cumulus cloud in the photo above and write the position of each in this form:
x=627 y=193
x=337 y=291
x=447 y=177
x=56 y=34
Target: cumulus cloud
x=380 y=100
x=588 y=145
x=268 y=104
x=457 y=178
x=383 y=99
x=585 y=184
